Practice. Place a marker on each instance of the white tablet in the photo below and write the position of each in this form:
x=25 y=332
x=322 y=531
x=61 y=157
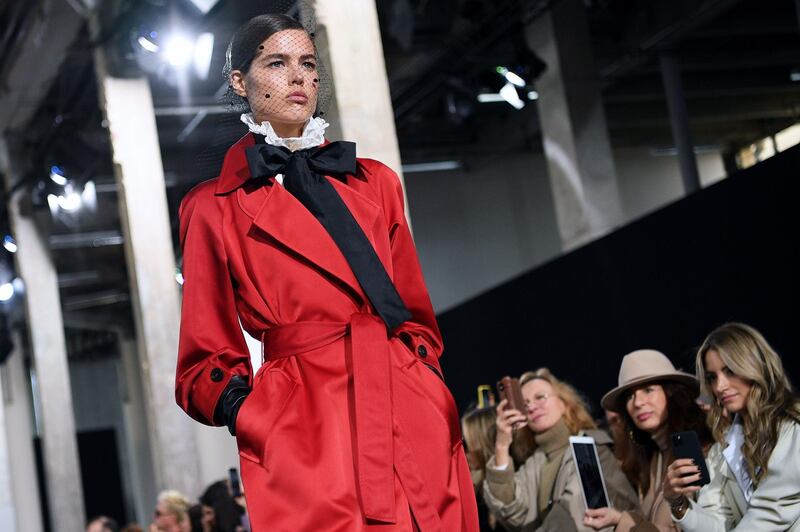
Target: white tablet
x=590 y=474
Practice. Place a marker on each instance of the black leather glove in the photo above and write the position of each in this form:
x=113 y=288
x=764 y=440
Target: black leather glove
x=229 y=402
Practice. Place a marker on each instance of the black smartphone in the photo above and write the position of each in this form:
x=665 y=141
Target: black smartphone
x=687 y=445
x=236 y=487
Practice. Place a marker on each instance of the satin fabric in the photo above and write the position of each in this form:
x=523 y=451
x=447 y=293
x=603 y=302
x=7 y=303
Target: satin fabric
x=255 y=255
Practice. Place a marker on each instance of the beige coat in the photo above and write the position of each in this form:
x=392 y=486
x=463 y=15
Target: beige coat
x=655 y=512
x=774 y=505
x=567 y=510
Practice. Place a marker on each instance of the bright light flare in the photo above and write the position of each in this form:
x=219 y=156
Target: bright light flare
x=178 y=51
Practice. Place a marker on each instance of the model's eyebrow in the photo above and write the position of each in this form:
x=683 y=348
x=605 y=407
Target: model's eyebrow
x=285 y=56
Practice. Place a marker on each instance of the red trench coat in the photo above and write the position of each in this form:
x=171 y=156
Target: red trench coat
x=346 y=427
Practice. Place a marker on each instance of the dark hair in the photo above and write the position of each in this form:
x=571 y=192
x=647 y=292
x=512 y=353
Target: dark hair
x=196 y=517
x=227 y=511
x=635 y=448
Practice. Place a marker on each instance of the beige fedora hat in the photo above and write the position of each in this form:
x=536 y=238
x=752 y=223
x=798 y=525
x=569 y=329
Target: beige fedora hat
x=640 y=367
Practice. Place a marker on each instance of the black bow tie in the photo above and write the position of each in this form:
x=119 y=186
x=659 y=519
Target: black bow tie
x=334 y=159
x=303 y=172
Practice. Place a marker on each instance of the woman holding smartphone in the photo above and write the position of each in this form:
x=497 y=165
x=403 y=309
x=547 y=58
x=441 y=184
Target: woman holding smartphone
x=545 y=492
x=755 y=462
x=654 y=400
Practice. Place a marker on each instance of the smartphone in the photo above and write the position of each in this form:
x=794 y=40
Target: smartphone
x=590 y=474
x=508 y=388
x=236 y=487
x=485 y=396
x=687 y=445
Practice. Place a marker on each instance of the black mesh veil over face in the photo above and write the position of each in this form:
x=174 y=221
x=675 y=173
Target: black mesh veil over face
x=255 y=45
x=276 y=82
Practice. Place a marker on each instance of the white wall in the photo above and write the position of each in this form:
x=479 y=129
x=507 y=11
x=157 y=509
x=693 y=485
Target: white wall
x=483 y=225
x=649 y=182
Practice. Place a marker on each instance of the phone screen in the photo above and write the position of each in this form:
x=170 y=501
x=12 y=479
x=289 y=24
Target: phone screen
x=591 y=476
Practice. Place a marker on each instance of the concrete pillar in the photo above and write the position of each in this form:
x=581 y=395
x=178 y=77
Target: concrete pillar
x=355 y=59
x=8 y=515
x=45 y=326
x=679 y=120
x=573 y=123
x=17 y=426
x=134 y=412
x=128 y=108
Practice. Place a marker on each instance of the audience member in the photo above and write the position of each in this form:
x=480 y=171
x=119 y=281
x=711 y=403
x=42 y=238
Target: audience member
x=102 y=523
x=545 y=491
x=756 y=457
x=172 y=512
x=653 y=400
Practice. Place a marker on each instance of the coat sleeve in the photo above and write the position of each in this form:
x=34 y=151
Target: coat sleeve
x=775 y=503
x=421 y=332
x=711 y=511
x=508 y=494
x=212 y=348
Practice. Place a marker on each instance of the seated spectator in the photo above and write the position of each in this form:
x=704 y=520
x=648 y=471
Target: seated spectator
x=755 y=462
x=102 y=523
x=219 y=502
x=545 y=491
x=653 y=400
x=172 y=512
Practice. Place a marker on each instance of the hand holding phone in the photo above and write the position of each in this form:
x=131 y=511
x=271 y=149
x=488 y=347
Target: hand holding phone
x=687 y=445
x=508 y=388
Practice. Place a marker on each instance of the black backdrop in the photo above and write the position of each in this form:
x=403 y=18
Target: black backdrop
x=726 y=253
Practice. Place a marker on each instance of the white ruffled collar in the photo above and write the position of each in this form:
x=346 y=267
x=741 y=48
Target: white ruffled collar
x=313 y=133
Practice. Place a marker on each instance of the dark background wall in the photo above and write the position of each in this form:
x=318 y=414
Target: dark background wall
x=727 y=253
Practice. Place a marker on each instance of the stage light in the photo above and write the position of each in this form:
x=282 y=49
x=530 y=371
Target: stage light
x=204 y=5
x=511 y=77
x=178 y=51
x=57 y=175
x=147 y=44
x=533 y=95
x=10 y=244
x=6 y=292
x=179 y=278
x=509 y=94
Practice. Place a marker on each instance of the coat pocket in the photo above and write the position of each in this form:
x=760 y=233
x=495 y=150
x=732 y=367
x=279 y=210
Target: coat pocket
x=260 y=411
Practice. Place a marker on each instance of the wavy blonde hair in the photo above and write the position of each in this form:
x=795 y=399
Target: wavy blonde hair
x=748 y=355
x=576 y=415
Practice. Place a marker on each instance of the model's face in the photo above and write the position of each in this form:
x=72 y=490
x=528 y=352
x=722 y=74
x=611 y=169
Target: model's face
x=282 y=83
x=729 y=389
x=544 y=407
x=647 y=406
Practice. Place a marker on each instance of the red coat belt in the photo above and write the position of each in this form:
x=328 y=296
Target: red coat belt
x=373 y=402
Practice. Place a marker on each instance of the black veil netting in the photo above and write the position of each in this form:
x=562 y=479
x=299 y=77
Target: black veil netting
x=243 y=53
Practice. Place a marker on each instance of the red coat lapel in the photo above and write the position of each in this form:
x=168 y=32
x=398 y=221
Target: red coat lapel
x=279 y=214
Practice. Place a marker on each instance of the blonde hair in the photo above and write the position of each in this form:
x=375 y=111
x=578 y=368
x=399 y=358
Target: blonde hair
x=576 y=414
x=177 y=503
x=479 y=429
x=770 y=400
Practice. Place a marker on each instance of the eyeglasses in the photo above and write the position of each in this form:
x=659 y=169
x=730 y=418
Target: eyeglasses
x=538 y=399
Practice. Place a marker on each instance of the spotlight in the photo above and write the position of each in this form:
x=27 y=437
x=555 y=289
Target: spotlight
x=10 y=244
x=509 y=94
x=203 y=48
x=178 y=51
x=57 y=175
x=179 y=278
x=6 y=292
x=511 y=77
